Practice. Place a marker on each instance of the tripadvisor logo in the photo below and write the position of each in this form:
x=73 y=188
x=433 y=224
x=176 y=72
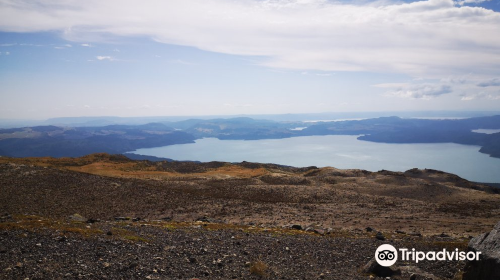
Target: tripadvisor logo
x=386 y=255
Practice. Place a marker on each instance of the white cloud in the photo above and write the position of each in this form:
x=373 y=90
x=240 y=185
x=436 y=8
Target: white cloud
x=65 y=46
x=465 y=88
x=480 y=95
x=31 y=45
x=490 y=83
x=431 y=38
x=420 y=91
x=109 y=58
x=86 y=45
x=464 y=2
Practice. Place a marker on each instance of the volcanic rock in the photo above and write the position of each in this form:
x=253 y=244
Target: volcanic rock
x=488 y=267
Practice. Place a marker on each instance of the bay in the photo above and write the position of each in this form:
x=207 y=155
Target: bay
x=340 y=151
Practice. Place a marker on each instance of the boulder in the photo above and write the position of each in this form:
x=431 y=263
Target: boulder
x=372 y=267
x=416 y=273
x=319 y=231
x=309 y=229
x=92 y=220
x=77 y=218
x=488 y=266
x=297 y=227
x=415 y=233
x=443 y=235
x=204 y=219
x=380 y=236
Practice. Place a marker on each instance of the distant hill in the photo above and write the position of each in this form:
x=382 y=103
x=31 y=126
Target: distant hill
x=62 y=141
x=242 y=129
x=398 y=130
x=74 y=142
x=144 y=157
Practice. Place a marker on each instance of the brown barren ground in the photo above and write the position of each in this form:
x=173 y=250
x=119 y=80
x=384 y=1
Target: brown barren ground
x=427 y=201
x=246 y=197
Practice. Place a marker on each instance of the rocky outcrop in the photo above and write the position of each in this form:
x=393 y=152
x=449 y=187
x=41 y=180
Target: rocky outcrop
x=488 y=267
x=372 y=267
x=416 y=273
x=77 y=218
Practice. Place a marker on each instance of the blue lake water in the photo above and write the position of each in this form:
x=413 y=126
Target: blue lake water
x=342 y=152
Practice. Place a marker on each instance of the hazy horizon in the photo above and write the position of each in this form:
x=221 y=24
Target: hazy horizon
x=290 y=117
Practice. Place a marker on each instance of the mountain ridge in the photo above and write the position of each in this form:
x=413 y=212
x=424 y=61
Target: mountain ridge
x=79 y=141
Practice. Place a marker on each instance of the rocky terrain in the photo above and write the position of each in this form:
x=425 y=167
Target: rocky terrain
x=489 y=266
x=103 y=216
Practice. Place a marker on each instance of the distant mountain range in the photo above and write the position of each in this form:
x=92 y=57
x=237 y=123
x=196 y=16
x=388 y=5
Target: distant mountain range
x=54 y=141
x=111 y=120
x=70 y=141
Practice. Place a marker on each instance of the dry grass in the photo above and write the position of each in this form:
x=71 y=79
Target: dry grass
x=458 y=275
x=275 y=231
x=132 y=170
x=247 y=194
x=451 y=245
x=258 y=268
x=33 y=223
x=105 y=165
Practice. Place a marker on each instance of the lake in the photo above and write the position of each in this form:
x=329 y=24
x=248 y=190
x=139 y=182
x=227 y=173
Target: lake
x=340 y=151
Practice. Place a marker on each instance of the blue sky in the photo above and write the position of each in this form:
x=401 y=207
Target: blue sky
x=222 y=57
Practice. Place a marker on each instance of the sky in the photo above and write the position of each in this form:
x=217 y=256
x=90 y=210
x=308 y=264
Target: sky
x=71 y=58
